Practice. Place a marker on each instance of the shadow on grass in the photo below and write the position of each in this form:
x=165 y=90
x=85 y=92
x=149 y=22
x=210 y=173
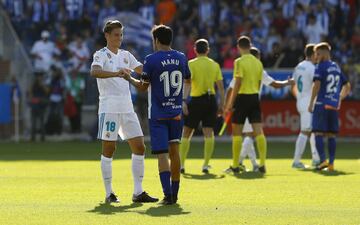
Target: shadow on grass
x=108 y=209
x=249 y=175
x=165 y=210
x=203 y=176
x=332 y=173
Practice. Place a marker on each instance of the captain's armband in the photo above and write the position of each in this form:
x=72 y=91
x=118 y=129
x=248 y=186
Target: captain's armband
x=144 y=78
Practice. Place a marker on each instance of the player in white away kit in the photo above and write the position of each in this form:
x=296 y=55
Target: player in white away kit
x=248 y=148
x=303 y=76
x=116 y=111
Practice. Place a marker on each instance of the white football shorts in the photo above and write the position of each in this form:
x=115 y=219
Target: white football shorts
x=305 y=116
x=247 y=127
x=305 y=121
x=126 y=125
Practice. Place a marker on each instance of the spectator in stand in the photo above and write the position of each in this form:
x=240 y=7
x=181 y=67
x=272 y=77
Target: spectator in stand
x=74 y=11
x=292 y=54
x=313 y=31
x=322 y=17
x=107 y=11
x=293 y=31
x=355 y=38
x=300 y=17
x=76 y=86
x=288 y=8
x=223 y=32
x=40 y=15
x=16 y=10
x=166 y=10
x=38 y=102
x=206 y=13
x=80 y=55
x=43 y=51
x=190 y=53
x=343 y=54
x=265 y=5
x=274 y=57
x=187 y=13
x=280 y=23
x=56 y=99
x=228 y=53
x=180 y=40
x=147 y=11
x=272 y=38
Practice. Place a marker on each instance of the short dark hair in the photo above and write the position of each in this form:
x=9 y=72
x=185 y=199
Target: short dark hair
x=323 y=46
x=201 y=46
x=309 y=50
x=255 y=52
x=163 y=33
x=244 y=42
x=110 y=25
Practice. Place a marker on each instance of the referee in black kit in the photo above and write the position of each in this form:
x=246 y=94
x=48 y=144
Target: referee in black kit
x=205 y=73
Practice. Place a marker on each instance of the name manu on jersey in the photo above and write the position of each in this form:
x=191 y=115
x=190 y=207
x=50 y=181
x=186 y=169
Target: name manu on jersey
x=170 y=62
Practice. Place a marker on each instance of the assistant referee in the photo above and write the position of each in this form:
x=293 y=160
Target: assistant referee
x=248 y=72
x=205 y=73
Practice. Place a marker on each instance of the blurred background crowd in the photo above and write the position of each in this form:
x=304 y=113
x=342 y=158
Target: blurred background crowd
x=61 y=36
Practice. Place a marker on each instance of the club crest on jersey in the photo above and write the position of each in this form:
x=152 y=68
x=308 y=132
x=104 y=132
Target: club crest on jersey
x=126 y=61
x=97 y=59
x=108 y=55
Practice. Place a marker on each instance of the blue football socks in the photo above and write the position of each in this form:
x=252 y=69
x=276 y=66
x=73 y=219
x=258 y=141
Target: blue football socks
x=332 y=149
x=165 y=182
x=319 y=142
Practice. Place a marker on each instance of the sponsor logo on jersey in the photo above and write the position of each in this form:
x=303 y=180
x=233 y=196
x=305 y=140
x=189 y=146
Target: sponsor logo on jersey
x=107 y=134
x=97 y=59
x=108 y=55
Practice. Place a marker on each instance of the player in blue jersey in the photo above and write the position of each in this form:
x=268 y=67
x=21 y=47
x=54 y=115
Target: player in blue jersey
x=163 y=75
x=329 y=89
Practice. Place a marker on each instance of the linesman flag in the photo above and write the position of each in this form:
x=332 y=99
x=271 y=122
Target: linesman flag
x=226 y=122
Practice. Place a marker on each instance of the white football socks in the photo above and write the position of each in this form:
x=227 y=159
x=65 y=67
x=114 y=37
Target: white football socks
x=249 y=144
x=314 y=152
x=243 y=152
x=137 y=172
x=248 y=149
x=300 y=147
x=106 y=170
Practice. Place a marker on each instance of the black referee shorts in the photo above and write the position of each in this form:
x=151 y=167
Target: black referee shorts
x=247 y=106
x=201 y=109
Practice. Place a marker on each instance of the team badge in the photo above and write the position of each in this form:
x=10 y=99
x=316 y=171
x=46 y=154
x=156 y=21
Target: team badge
x=107 y=134
x=126 y=61
x=108 y=55
x=97 y=59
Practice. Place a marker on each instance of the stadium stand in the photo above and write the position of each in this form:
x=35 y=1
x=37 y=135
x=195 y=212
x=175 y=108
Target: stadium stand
x=279 y=29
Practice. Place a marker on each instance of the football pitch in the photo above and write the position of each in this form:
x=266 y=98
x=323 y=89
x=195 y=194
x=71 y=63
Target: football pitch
x=60 y=183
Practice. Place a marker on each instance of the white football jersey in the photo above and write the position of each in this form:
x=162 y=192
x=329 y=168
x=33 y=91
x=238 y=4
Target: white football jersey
x=303 y=76
x=266 y=80
x=114 y=92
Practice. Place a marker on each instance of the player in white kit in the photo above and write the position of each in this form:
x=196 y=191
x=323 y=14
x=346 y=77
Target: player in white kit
x=248 y=148
x=116 y=111
x=303 y=76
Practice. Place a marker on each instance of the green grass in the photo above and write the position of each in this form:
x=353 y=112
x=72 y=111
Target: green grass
x=60 y=183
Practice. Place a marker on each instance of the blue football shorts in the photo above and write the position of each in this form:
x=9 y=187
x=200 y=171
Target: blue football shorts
x=163 y=132
x=325 y=120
